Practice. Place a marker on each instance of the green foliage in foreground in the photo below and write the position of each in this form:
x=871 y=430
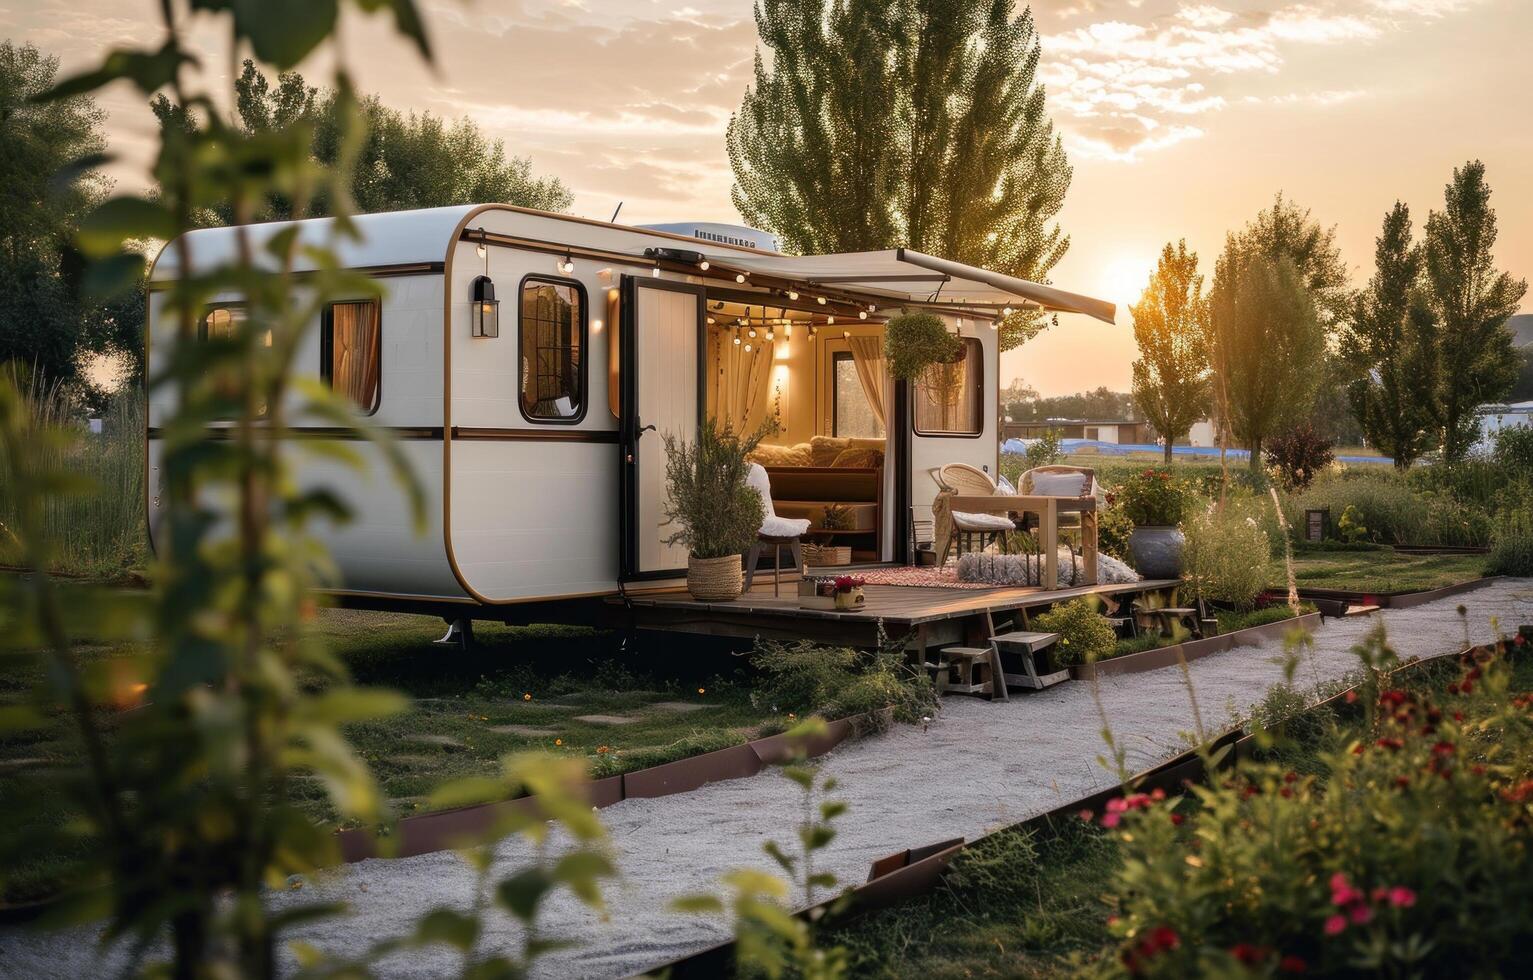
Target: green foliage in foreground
x=1084 y=636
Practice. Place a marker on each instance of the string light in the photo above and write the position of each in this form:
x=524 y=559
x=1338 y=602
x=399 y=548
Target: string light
x=820 y=300
x=747 y=348
x=862 y=314
x=770 y=335
x=1006 y=311
x=568 y=265
x=830 y=319
x=655 y=272
x=711 y=321
x=737 y=340
x=739 y=277
x=751 y=333
x=793 y=294
x=703 y=265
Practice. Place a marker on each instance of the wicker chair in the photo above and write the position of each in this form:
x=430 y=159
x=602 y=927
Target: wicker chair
x=961 y=479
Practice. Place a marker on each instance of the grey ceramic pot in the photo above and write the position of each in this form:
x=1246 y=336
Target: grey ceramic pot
x=1157 y=551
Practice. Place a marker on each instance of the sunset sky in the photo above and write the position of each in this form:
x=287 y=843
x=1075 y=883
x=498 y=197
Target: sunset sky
x=1182 y=119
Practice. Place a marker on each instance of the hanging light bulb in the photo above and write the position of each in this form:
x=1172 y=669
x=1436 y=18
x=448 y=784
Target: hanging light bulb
x=1006 y=311
x=830 y=319
x=872 y=308
x=747 y=348
x=481 y=250
x=793 y=294
x=737 y=340
x=655 y=272
x=703 y=265
x=710 y=321
x=995 y=324
x=787 y=330
x=568 y=265
x=820 y=300
x=739 y=277
x=770 y=335
x=751 y=333
x=862 y=314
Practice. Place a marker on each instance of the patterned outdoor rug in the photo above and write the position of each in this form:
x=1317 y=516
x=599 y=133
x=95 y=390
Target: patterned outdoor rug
x=924 y=577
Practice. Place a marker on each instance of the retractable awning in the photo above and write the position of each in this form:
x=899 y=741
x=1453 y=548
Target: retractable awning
x=909 y=276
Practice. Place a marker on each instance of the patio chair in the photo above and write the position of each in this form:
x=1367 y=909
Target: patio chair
x=775 y=531
x=961 y=479
x=1058 y=480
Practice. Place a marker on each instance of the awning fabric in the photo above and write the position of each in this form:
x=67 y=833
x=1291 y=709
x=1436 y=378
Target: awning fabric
x=910 y=276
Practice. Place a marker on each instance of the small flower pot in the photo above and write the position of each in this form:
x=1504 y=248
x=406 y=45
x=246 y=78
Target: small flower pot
x=1157 y=551
x=715 y=579
x=847 y=601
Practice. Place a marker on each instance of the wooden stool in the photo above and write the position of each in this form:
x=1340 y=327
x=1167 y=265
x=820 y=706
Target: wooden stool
x=1171 y=616
x=964 y=670
x=1026 y=646
x=754 y=555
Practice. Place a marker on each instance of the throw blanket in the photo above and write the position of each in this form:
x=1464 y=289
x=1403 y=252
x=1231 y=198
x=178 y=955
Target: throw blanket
x=1025 y=569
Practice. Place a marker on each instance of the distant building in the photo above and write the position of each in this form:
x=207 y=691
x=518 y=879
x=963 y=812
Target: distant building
x=1116 y=431
x=1521 y=327
x=1493 y=418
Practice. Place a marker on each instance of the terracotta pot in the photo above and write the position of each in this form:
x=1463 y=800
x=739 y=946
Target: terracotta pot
x=1157 y=551
x=715 y=579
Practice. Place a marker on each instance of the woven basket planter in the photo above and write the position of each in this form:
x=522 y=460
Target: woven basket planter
x=823 y=555
x=715 y=579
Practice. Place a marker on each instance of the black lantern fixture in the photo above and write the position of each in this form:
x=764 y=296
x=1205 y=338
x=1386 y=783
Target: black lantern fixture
x=484 y=311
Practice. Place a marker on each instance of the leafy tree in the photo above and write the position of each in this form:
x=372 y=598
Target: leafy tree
x=1266 y=341
x=1465 y=303
x=917 y=123
x=49 y=152
x=1288 y=230
x=1386 y=351
x=403 y=162
x=1171 y=327
x=1100 y=402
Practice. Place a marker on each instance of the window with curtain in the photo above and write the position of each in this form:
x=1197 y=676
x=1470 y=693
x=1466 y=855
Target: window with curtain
x=948 y=398
x=553 y=337
x=853 y=416
x=351 y=352
x=225 y=323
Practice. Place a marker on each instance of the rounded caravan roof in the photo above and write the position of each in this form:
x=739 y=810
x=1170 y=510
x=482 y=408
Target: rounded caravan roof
x=386 y=238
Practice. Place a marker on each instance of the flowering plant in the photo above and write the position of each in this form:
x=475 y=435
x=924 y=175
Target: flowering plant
x=848 y=583
x=1153 y=498
x=1406 y=854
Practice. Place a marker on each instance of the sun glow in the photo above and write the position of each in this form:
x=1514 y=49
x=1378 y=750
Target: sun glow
x=1123 y=279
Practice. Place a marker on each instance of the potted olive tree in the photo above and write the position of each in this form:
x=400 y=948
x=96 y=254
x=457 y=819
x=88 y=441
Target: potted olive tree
x=716 y=512
x=1155 y=501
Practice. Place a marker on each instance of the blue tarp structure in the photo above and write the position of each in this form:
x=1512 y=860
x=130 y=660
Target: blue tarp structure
x=1069 y=446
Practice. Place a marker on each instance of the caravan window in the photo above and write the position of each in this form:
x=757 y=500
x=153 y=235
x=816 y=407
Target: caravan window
x=553 y=339
x=949 y=398
x=224 y=322
x=351 y=352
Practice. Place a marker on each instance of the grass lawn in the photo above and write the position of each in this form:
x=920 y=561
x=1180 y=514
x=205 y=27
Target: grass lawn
x=563 y=690
x=1379 y=568
x=1027 y=904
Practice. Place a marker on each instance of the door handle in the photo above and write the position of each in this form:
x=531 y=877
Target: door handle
x=643 y=429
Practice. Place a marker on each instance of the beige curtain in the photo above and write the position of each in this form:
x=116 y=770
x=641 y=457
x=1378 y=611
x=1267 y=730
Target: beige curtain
x=742 y=379
x=355 y=342
x=946 y=396
x=868 y=356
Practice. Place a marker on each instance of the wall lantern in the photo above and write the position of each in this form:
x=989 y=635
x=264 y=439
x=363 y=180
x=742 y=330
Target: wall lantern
x=1316 y=523
x=484 y=311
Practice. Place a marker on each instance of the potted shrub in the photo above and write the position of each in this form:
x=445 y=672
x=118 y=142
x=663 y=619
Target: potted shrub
x=825 y=551
x=1155 y=501
x=718 y=514
x=914 y=342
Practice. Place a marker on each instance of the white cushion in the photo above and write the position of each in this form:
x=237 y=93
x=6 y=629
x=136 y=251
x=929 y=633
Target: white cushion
x=1059 y=484
x=784 y=527
x=1003 y=485
x=982 y=522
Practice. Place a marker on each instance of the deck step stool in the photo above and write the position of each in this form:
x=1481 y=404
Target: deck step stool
x=1174 y=616
x=964 y=670
x=1121 y=625
x=1026 y=646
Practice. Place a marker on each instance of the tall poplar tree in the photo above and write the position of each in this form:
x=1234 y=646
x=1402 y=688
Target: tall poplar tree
x=1387 y=350
x=1171 y=327
x=1467 y=303
x=913 y=123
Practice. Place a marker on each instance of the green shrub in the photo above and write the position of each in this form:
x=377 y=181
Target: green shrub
x=1406 y=854
x=805 y=678
x=718 y=513
x=916 y=341
x=1084 y=636
x=1514 y=450
x=1113 y=529
x=1384 y=501
x=1351 y=527
x=1044 y=451
x=1154 y=497
x=1227 y=557
x=1454 y=522
x=1511 y=543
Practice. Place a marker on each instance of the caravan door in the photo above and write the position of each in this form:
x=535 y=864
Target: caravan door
x=661 y=366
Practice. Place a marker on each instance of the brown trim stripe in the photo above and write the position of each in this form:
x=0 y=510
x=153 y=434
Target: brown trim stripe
x=428 y=434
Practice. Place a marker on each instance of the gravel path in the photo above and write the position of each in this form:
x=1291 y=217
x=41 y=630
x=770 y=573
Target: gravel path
x=980 y=766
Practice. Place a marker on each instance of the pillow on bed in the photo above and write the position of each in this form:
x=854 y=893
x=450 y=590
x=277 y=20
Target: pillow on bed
x=1059 y=484
x=823 y=450
x=769 y=455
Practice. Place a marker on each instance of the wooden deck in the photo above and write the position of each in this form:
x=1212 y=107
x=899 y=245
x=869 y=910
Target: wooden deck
x=935 y=615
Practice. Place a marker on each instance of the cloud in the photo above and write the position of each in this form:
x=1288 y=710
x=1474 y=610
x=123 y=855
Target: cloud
x=1131 y=83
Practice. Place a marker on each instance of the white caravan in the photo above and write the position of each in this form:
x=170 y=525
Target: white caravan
x=528 y=362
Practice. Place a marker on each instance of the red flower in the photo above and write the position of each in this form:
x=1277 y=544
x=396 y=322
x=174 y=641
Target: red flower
x=1335 y=925
x=1177 y=819
x=1443 y=749
x=1086 y=815
x=1362 y=914
x=1163 y=938
x=1401 y=897
x=1248 y=954
x=1290 y=777
x=1110 y=820
x=1351 y=696
x=1292 y=964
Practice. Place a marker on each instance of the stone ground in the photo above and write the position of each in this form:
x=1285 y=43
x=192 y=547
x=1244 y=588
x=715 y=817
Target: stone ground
x=979 y=766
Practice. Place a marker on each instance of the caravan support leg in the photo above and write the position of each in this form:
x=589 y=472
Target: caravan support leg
x=460 y=634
